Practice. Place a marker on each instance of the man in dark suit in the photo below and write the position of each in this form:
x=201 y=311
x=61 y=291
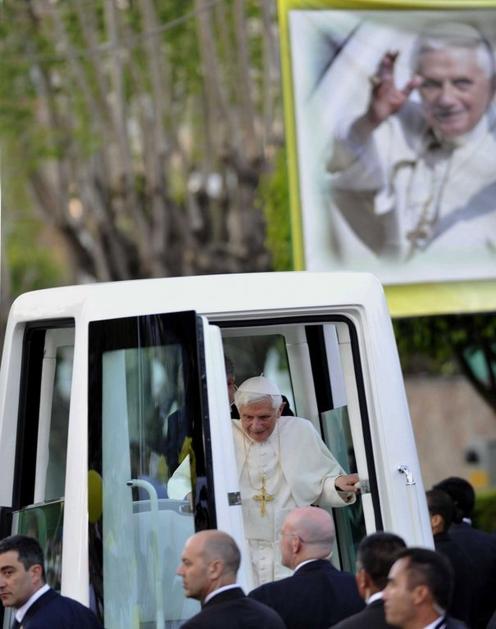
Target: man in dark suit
x=23 y=587
x=209 y=565
x=478 y=545
x=317 y=595
x=419 y=590
x=441 y=510
x=375 y=556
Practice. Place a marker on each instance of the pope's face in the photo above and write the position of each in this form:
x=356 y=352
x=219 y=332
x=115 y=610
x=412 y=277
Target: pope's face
x=455 y=90
x=258 y=419
x=398 y=597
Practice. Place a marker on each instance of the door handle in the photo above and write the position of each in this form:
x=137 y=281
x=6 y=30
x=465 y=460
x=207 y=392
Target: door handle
x=404 y=469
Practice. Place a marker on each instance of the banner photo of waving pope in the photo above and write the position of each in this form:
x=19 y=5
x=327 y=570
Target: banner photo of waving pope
x=396 y=141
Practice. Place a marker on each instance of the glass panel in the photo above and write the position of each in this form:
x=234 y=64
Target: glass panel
x=44 y=522
x=142 y=397
x=350 y=522
x=59 y=423
x=149 y=433
x=261 y=354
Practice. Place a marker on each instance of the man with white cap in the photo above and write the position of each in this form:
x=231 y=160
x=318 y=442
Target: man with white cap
x=283 y=463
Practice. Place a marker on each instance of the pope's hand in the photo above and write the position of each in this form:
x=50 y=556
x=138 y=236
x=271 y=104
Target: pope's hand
x=386 y=98
x=347 y=482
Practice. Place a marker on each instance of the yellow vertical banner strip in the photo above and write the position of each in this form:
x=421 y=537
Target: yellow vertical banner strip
x=291 y=140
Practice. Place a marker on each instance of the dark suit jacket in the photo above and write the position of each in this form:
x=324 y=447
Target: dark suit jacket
x=372 y=617
x=53 y=611
x=452 y=623
x=315 y=597
x=463 y=570
x=481 y=549
x=232 y=609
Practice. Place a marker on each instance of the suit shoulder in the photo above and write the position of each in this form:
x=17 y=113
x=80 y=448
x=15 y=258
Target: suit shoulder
x=372 y=617
x=244 y=613
x=262 y=591
x=453 y=623
x=267 y=616
x=67 y=612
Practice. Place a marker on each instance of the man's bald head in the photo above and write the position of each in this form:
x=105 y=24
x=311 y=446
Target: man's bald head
x=218 y=545
x=210 y=559
x=307 y=533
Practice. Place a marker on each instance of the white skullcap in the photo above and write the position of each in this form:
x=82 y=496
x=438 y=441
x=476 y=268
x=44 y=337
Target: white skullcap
x=260 y=385
x=255 y=389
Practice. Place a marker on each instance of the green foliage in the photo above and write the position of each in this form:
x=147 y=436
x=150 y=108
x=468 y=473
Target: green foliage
x=273 y=198
x=31 y=265
x=485 y=511
x=431 y=344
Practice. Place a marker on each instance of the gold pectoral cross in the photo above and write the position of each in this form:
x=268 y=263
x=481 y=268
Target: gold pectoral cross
x=263 y=497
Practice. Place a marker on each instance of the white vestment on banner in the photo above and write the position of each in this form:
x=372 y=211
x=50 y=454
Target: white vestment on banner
x=407 y=194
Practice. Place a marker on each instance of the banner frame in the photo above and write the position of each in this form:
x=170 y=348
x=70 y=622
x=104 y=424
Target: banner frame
x=416 y=299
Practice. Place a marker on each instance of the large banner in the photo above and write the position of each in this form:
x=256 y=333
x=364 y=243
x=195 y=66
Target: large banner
x=393 y=121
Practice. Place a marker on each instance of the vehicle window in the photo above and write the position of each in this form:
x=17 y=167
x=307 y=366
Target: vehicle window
x=59 y=423
x=261 y=354
x=146 y=449
x=349 y=521
x=41 y=446
x=314 y=365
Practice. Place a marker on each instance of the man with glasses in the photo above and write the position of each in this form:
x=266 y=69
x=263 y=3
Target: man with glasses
x=317 y=595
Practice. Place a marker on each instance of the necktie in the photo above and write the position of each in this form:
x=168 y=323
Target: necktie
x=15 y=624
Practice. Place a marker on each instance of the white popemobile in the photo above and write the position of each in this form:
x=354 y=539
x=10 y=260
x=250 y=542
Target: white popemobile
x=105 y=389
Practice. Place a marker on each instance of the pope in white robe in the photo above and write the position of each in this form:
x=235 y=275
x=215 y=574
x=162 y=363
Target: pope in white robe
x=283 y=463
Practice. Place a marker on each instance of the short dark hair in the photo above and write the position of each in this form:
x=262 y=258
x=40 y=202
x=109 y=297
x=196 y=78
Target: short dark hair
x=229 y=366
x=462 y=493
x=441 y=503
x=376 y=554
x=28 y=550
x=427 y=567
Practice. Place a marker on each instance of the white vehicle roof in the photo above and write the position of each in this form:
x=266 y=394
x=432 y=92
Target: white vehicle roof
x=219 y=295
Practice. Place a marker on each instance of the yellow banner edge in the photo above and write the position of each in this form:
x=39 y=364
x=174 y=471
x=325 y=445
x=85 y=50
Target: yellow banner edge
x=410 y=300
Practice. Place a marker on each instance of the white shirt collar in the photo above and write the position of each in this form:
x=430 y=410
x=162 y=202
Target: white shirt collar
x=21 y=612
x=231 y=586
x=302 y=564
x=376 y=596
x=439 y=622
